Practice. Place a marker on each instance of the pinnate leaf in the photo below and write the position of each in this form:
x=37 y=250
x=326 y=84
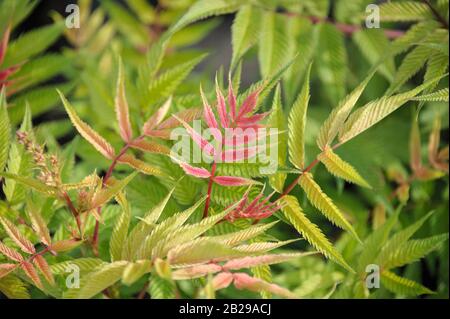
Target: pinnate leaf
x=297 y=124
x=121 y=107
x=87 y=132
x=16 y=235
x=340 y=168
x=294 y=214
x=324 y=204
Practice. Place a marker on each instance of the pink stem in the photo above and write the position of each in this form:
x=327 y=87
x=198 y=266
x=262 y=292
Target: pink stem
x=210 y=184
x=105 y=179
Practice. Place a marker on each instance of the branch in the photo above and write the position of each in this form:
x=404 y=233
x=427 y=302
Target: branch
x=438 y=16
x=210 y=184
x=306 y=170
x=348 y=29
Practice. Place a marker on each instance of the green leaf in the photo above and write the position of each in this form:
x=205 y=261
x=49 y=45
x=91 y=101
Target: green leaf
x=15 y=12
x=154 y=214
x=438 y=96
x=405 y=11
x=273 y=43
x=97 y=281
x=202 y=250
x=42 y=97
x=311 y=232
x=85 y=265
x=105 y=194
x=38 y=70
x=337 y=117
x=244 y=32
x=331 y=61
x=161 y=288
x=297 y=124
x=340 y=168
x=168 y=81
x=164 y=229
x=375 y=241
x=26 y=46
x=400 y=238
x=277 y=120
x=19 y=163
x=99 y=143
x=184 y=234
x=134 y=271
x=374 y=44
x=375 y=111
x=402 y=286
x=324 y=204
x=5 y=132
x=143 y=9
x=32 y=183
x=411 y=251
x=193 y=34
x=127 y=24
x=250 y=232
x=120 y=230
x=416 y=34
x=414 y=61
x=303 y=38
x=205 y=8
x=263 y=272
x=14 y=288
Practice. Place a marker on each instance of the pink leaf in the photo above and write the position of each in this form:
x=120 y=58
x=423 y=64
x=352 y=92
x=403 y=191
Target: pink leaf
x=31 y=272
x=251 y=120
x=195 y=171
x=121 y=107
x=7 y=72
x=240 y=136
x=157 y=118
x=222 y=280
x=231 y=99
x=253 y=203
x=252 y=261
x=10 y=253
x=4 y=43
x=208 y=113
x=150 y=147
x=195 y=271
x=187 y=115
x=162 y=134
x=249 y=104
x=5 y=269
x=232 y=155
x=197 y=138
x=221 y=107
x=244 y=281
x=233 y=181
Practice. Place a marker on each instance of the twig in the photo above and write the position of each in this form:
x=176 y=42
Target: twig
x=74 y=211
x=438 y=16
x=306 y=170
x=105 y=179
x=143 y=292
